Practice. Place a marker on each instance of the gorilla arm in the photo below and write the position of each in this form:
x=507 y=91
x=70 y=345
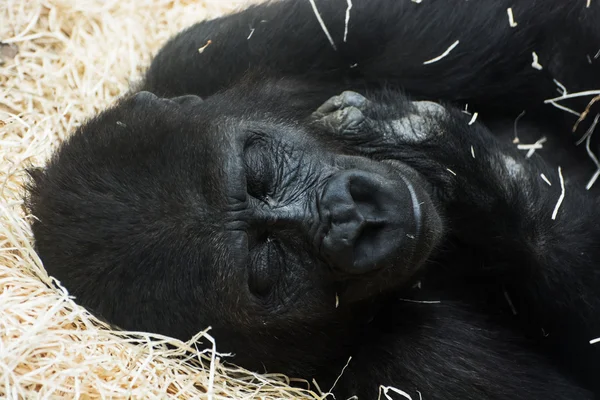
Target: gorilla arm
x=392 y=41
x=557 y=282
x=541 y=242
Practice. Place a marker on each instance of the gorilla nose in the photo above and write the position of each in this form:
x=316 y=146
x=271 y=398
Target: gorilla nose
x=370 y=221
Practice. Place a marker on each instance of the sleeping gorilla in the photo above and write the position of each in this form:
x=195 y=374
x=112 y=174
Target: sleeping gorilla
x=283 y=190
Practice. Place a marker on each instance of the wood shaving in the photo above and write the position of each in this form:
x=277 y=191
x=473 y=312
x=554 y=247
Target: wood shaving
x=386 y=389
x=347 y=19
x=573 y=95
x=562 y=194
x=535 y=64
x=516 y=138
x=545 y=178
x=340 y=375
x=473 y=118
x=566 y=109
x=531 y=148
x=591 y=154
x=322 y=23
x=444 y=54
x=561 y=88
x=585 y=112
x=511 y=18
x=201 y=49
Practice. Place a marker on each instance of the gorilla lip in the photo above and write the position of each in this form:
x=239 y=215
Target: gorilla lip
x=413 y=193
x=416 y=205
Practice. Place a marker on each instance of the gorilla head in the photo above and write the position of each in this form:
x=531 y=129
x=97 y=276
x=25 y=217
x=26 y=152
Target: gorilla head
x=171 y=215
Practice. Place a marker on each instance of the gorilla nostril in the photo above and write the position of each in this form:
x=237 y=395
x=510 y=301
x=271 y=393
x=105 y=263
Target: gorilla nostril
x=365 y=196
x=369 y=218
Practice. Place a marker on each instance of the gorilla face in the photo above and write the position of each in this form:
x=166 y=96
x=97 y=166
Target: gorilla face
x=175 y=217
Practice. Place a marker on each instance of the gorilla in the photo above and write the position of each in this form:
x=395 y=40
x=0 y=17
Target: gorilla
x=303 y=177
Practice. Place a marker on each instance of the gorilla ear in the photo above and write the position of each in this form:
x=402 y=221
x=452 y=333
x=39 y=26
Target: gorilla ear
x=188 y=100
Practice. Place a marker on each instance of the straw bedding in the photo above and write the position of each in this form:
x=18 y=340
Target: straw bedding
x=60 y=62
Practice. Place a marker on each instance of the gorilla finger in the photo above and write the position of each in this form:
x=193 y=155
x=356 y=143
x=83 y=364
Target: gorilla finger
x=348 y=120
x=345 y=99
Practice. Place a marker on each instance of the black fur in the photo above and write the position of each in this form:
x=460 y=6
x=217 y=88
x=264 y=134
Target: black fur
x=254 y=210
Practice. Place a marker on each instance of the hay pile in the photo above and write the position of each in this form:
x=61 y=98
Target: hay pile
x=62 y=61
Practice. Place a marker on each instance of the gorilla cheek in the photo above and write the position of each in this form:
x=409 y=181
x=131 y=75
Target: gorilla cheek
x=368 y=221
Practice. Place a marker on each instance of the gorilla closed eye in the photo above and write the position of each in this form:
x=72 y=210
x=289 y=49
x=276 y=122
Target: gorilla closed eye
x=366 y=215
x=260 y=174
x=262 y=275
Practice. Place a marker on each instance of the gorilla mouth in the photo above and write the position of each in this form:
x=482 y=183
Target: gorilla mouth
x=369 y=221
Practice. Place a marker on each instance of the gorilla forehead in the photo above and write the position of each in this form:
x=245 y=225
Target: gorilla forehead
x=193 y=151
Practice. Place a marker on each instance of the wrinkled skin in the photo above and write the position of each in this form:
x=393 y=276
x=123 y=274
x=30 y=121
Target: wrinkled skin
x=256 y=185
